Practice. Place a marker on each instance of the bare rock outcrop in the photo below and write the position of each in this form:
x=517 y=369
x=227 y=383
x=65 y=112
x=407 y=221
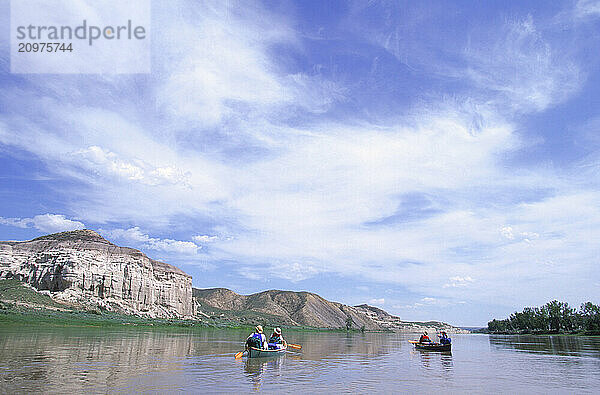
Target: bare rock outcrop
x=387 y=321
x=81 y=266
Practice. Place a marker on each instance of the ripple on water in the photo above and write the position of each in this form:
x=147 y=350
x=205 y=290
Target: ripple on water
x=55 y=360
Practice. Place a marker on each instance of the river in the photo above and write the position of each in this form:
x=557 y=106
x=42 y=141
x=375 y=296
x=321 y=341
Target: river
x=94 y=360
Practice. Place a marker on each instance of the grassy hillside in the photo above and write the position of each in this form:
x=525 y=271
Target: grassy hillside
x=285 y=308
x=15 y=292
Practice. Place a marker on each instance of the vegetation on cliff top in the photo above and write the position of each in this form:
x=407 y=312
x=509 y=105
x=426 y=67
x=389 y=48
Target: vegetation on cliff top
x=553 y=317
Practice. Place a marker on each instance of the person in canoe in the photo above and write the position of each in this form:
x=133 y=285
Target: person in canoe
x=257 y=339
x=424 y=338
x=444 y=339
x=276 y=340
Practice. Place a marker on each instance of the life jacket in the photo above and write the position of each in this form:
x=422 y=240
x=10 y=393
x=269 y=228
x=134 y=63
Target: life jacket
x=255 y=340
x=275 y=339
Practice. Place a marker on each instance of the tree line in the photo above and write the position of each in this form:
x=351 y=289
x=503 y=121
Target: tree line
x=553 y=317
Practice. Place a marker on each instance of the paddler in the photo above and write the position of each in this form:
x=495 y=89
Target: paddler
x=276 y=340
x=424 y=338
x=257 y=339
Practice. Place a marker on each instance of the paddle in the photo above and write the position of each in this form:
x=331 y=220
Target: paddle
x=239 y=354
x=296 y=346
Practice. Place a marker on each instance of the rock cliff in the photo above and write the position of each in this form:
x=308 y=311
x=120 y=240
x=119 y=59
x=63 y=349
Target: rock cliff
x=81 y=266
x=387 y=321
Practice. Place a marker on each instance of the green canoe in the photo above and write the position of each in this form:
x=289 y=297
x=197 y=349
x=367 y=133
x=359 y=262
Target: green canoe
x=260 y=353
x=433 y=346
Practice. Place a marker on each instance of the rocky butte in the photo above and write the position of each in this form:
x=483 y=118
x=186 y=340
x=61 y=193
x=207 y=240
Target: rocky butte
x=82 y=267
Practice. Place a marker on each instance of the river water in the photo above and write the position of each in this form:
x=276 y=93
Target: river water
x=77 y=360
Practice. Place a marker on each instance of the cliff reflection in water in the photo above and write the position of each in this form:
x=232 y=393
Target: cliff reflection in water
x=37 y=361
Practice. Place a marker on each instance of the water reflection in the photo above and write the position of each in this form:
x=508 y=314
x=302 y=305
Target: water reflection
x=332 y=345
x=96 y=360
x=255 y=369
x=434 y=361
x=555 y=345
x=93 y=358
x=446 y=359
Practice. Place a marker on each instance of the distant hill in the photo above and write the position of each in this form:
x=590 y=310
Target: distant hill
x=303 y=309
x=291 y=308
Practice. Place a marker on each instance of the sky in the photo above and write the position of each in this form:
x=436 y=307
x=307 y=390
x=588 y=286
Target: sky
x=439 y=160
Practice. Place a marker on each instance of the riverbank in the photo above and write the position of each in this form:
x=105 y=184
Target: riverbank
x=20 y=304
x=13 y=314
x=540 y=333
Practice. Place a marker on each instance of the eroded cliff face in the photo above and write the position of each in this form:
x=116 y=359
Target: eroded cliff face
x=83 y=267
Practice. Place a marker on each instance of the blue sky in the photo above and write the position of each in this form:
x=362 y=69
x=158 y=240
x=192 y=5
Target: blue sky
x=439 y=160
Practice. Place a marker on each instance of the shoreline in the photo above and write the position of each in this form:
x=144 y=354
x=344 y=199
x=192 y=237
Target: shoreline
x=12 y=314
x=578 y=334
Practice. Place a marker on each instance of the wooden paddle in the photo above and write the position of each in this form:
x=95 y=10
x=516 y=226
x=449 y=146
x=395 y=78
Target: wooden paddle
x=296 y=346
x=239 y=354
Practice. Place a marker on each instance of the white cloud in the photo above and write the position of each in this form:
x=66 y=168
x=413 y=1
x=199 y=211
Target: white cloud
x=222 y=68
x=205 y=238
x=507 y=232
x=294 y=271
x=587 y=9
x=16 y=222
x=516 y=65
x=136 y=237
x=424 y=303
x=48 y=223
x=251 y=274
x=523 y=67
x=174 y=246
x=102 y=161
x=458 y=281
x=375 y=301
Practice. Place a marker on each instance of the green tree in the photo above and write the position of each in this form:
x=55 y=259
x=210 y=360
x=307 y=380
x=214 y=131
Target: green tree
x=348 y=323
x=553 y=317
x=498 y=326
x=589 y=315
x=560 y=316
